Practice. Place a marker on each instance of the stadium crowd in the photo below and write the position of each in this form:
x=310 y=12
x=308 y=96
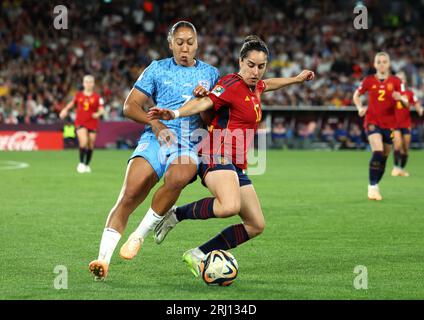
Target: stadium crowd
x=41 y=67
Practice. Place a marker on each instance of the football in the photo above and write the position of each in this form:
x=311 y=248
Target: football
x=219 y=267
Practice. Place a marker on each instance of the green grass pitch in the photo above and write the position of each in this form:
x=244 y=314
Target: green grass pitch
x=320 y=225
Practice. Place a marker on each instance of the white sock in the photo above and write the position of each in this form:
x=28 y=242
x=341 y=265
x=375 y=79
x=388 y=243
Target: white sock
x=149 y=222
x=110 y=239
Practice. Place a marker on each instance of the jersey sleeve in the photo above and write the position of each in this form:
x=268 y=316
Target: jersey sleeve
x=101 y=102
x=215 y=77
x=146 y=81
x=261 y=86
x=364 y=86
x=399 y=86
x=412 y=98
x=75 y=99
x=220 y=96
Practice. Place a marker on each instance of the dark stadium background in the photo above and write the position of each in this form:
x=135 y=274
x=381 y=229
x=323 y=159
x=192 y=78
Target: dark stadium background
x=320 y=225
x=41 y=67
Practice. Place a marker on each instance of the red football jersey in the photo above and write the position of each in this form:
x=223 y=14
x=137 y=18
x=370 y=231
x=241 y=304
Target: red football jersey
x=381 y=105
x=237 y=115
x=86 y=106
x=403 y=116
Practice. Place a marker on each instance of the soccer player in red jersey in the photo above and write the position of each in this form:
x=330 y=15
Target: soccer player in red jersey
x=89 y=110
x=402 y=134
x=380 y=121
x=236 y=100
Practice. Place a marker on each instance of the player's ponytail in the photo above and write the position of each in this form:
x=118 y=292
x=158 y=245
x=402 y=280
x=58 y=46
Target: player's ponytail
x=253 y=42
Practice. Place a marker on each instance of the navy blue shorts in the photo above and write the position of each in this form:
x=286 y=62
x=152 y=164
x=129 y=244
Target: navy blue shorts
x=222 y=164
x=387 y=134
x=404 y=131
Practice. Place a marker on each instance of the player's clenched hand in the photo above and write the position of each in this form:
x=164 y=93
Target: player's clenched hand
x=362 y=111
x=420 y=111
x=396 y=95
x=63 y=114
x=163 y=133
x=305 y=75
x=158 y=113
x=200 y=91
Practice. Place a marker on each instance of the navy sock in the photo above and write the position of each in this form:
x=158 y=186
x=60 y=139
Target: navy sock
x=202 y=209
x=82 y=153
x=403 y=160
x=377 y=167
x=88 y=154
x=396 y=158
x=229 y=238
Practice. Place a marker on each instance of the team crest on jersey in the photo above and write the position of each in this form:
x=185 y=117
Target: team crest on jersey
x=205 y=84
x=218 y=90
x=247 y=98
x=390 y=86
x=142 y=147
x=374 y=86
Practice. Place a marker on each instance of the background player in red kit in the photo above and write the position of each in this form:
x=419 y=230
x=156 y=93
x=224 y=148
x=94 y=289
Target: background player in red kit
x=402 y=134
x=380 y=121
x=237 y=103
x=89 y=110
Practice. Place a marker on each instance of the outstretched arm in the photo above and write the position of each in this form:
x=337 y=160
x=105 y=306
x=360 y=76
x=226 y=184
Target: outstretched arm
x=278 y=83
x=194 y=106
x=64 y=112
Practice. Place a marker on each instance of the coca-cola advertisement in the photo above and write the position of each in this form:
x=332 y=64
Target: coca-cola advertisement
x=30 y=140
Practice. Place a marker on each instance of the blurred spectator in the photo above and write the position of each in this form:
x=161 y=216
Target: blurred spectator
x=115 y=41
x=305 y=134
x=279 y=135
x=416 y=136
x=341 y=136
x=327 y=134
x=356 y=136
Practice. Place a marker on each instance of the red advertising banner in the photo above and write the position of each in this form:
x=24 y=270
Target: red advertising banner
x=31 y=140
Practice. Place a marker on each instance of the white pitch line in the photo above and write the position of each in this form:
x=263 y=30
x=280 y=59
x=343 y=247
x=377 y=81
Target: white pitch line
x=12 y=165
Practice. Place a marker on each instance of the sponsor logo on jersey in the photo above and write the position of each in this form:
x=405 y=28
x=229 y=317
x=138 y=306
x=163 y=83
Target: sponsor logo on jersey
x=247 y=98
x=390 y=86
x=218 y=90
x=374 y=86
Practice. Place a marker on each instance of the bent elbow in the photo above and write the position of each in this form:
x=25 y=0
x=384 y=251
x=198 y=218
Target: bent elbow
x=126 y=110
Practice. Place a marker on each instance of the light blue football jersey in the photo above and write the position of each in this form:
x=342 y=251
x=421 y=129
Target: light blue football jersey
x=171 y=85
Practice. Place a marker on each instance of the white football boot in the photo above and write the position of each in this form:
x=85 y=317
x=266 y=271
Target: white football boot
x=81 y=168
x=167 y=224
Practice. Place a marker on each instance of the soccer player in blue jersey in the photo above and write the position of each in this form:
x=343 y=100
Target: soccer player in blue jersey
x=170 y=83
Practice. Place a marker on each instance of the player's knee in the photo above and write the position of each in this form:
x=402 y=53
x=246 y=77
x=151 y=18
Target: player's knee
x=230 y=208
x=129 y=197
x=255 y=229
x=176 y=182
